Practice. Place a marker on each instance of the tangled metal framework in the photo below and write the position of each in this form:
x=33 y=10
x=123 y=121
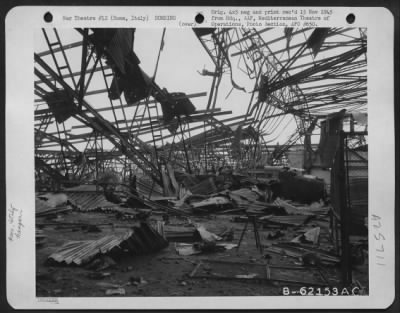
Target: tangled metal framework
x=302 y=73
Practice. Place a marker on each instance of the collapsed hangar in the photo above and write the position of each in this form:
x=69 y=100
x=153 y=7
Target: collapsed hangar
x=276 y=138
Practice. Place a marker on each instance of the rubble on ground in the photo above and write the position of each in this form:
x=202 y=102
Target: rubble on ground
x=200 y=228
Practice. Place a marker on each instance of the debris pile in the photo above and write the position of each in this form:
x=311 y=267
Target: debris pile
x=292 y=241
x=124 y=166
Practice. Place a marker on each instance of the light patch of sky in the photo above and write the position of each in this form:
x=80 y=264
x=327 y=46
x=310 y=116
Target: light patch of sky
x=180 y=60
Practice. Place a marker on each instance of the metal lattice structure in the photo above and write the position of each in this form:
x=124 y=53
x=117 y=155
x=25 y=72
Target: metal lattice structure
x=295 y=76
x=284 y=83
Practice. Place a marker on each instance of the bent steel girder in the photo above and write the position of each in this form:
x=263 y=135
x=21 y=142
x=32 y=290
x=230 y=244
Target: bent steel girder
x=40 y=135
x=100 y=124
x=257 y=65
x=139 y=125
x=321 y=66
x=297 y=87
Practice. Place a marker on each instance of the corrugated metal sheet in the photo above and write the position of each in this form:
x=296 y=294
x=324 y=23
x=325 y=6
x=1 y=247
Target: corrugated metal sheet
x=145 y=185
x=246 y=194
x=205 y=187
x=89 y=201
x=315 y=208
x=140 y=240
x=42 y=208
x=297 y=250
x=81 y=252
x=291 y=220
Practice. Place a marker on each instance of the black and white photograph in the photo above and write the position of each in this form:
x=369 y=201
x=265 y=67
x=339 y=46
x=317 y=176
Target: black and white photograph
x=194 y=162
x=182 y=157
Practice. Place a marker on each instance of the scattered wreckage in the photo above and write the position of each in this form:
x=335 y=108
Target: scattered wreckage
x=301 y=233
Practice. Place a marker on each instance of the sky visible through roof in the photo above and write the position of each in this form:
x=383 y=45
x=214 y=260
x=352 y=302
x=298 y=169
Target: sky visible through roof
x=181 y=60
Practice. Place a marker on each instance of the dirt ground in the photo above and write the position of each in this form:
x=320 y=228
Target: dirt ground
x=165 y=273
